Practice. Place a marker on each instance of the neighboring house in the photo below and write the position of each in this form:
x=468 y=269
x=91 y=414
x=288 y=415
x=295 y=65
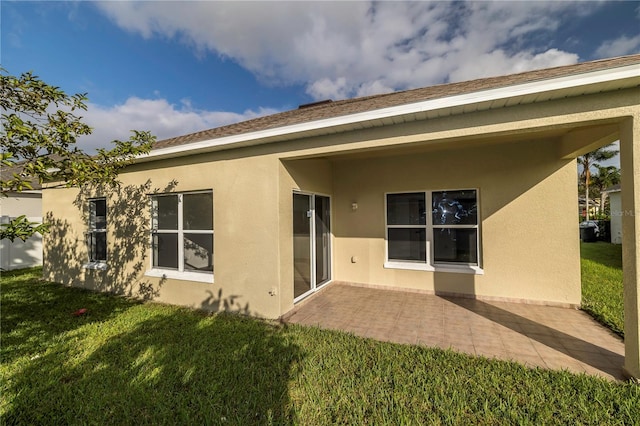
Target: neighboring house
x=594 y=207
x=615 y=207
x=20 y=254
x=434 y=190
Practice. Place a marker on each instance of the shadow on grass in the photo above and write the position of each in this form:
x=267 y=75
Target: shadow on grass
x=567 y=344
x=35 y=311
x=158 y=365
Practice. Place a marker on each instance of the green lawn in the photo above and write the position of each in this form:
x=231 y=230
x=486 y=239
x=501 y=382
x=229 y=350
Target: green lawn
x=602 y=292
x=128 y=362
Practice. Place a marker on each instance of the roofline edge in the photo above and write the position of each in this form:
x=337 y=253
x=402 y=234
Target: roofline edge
x=504 y=92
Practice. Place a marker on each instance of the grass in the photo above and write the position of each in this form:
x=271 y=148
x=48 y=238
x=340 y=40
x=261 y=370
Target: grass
x=602 y=291
x=128 y=362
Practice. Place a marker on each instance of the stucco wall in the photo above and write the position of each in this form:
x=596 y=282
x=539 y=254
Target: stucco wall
x=246 y=263
x=519 y=159
x=309 y=175
x=527 y=198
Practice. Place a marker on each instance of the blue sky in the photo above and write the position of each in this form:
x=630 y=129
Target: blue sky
x=178 y=67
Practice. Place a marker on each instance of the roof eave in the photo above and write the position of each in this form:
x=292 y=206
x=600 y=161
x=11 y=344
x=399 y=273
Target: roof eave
x=558 y=84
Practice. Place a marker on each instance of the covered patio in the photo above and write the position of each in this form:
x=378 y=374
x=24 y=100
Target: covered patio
x=534 y=335
x=511 y=163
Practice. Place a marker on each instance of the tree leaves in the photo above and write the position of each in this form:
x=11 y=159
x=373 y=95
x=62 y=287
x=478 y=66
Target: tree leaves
x=21 y=228
x=40 y=130
x=589 y=161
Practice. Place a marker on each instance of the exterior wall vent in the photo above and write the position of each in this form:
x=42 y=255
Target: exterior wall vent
x=312 y=104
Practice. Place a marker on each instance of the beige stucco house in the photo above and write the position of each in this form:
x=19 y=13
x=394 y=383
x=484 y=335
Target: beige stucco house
x=465 y=188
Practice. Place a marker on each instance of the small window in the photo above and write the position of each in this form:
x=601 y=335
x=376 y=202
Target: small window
x=182 y=232
x=447 y=235
x=97 y=234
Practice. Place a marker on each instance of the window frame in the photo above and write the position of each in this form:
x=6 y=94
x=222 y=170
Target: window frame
x=91 y=230
x=180 y=272
x=430 y=264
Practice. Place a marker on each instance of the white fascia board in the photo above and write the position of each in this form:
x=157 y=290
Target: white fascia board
x=548 y=85
x=26 y=191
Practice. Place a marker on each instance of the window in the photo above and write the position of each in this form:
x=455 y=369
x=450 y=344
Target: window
x=407 y=227
x=97 y=234
x=455 y=226
x=447 y=235
x=182 y=232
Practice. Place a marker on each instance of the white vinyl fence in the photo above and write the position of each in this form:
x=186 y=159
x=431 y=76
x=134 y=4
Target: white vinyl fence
x=19 y=254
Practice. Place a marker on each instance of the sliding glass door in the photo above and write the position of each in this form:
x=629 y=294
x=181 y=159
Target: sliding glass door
x=311 y=243
x=323 y=239
x=302 y=249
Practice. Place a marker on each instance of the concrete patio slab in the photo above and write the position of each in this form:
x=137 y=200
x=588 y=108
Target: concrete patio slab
x=534 y=335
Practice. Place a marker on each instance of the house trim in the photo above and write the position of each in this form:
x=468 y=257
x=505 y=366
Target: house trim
x=558 y=87
x=421 y=266
x=178 y=275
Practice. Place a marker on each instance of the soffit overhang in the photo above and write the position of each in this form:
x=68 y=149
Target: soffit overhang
x=604 y=80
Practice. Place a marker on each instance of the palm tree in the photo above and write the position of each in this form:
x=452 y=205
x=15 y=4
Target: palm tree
x=590 y=160
x=606 y=177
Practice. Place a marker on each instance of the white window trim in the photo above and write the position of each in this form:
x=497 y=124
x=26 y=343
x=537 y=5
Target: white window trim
x=180 y=273
x=430 y=265
x=203 y=277
x=100 y=265
x=420 y=266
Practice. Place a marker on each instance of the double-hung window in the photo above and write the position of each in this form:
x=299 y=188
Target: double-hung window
x=407 y=227
x=182 y=232
x=97 y=233
x=431 y=229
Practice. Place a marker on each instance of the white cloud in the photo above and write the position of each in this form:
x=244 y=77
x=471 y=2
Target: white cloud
x=498 y=62
x=619 y=47
x=158 y=116
x=343 y=49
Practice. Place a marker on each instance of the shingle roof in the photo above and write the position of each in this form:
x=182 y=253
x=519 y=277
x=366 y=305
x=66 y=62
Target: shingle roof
x=7 y=172
x=324 y=110
x=614 y=188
